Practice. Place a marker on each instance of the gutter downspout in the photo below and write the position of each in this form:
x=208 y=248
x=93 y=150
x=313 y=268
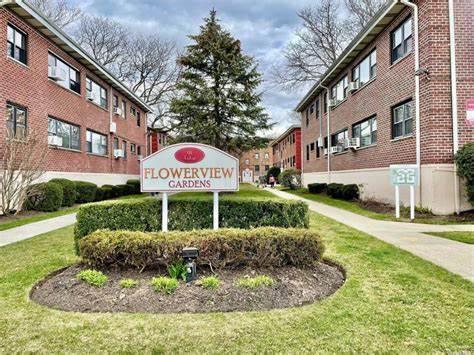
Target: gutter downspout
x=328 y=114
x=454 y=102
x=417 y=92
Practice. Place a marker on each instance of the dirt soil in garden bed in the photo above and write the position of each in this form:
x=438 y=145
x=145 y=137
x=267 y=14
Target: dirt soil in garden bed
x=293 y=287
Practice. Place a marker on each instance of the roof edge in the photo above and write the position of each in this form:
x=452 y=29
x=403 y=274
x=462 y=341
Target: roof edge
x=281 y=136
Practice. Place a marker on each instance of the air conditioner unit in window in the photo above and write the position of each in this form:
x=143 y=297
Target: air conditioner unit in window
x=55 y=140
x=56 y=74
x=139 y=157
x=325 y=151
x=113 y=127
x=333 y=102
x=353 y=86
x=320 y=142
x=118 y=153
x=118 y=111
x=352 y=143
x=90 y=96
x=334 y=150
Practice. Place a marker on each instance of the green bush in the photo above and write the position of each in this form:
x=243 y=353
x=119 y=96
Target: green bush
x=118 y=190
x=275 y=171
x=223 y=248
x=69 y=191
x=464 y=159
x=350 y=192
x=317 y=188
x=92 y=277
x=209 y=282
x=46 y=197
x=85 y=191
x=187 y=214
x=335 y=190
x=128 y=283
x=134 y=185
x=290 y=178
x=255 y=282
x=164 y=284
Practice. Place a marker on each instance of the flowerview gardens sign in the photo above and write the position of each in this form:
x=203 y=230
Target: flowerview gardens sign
x=189 y=167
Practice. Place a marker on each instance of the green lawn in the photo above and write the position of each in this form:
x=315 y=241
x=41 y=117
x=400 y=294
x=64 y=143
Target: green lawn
x=463 y=237
x=354 y=207
x=246 y=191
x=392 y=302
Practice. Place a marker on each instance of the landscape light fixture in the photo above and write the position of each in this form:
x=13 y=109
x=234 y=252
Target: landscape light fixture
x=190 y=255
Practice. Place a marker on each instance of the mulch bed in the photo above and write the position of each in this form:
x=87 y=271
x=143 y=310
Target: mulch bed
x=293 y=287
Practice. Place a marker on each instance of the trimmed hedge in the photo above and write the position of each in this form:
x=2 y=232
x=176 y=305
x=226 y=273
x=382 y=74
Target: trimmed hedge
x=85 y=191
x=335 y=190
x=46 y=197
x=465 y=165
x=134 y=185
x=224 y=248
x=344 y=192
x=145 y=215
x=69 y=191
x=317 y=188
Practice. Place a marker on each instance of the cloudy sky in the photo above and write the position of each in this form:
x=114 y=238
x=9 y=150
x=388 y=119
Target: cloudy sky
x=263 y=26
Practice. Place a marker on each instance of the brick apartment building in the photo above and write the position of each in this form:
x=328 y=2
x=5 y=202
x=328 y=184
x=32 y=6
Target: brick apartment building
x=94 y=125
x=373 y=98
x=287 y=149
x=157 y=139
x=255 y=162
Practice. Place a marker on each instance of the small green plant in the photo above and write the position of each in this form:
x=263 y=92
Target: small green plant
x=92 y=277
x=128 y=283
x=210 y=282
x=255 y=282
x=178 y=271
x=164 y=284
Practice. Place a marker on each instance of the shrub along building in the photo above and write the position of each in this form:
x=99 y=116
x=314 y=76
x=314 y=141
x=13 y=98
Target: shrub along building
x=94 y=125
x=395 y=98
x=287 y=149
x=256 y=161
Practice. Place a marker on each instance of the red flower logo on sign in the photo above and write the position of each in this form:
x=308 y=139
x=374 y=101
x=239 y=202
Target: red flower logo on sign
x=189 y=155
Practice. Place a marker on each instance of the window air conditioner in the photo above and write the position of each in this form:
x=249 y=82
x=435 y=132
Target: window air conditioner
x=325 y=151
x=320 y=142
x=56 y=74
x=118 y=111
x=333 y=102
x=353 y=86
x=113 y=127
x=118 y=153
x=352 y=143
x=90 y=96
x=334 y=150
x=55 y=140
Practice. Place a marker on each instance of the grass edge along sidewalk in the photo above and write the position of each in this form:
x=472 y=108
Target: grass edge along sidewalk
x=462 y=237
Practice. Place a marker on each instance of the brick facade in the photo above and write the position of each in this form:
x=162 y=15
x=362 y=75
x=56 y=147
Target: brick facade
x=29 y=86
x=287 y=149
x=393 y=84
x=263 y=158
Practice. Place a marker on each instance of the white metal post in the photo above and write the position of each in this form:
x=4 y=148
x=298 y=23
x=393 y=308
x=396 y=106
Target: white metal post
x=412 y=202
x=216 y=210
x=164 y=212
x=397 y=201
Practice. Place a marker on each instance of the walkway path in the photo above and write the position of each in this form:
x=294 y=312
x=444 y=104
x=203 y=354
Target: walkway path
x=30 y=230
x=453 y=256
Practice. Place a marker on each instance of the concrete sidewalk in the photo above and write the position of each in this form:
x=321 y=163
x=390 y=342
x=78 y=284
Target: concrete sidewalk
x=30 y=230
x=453 y=256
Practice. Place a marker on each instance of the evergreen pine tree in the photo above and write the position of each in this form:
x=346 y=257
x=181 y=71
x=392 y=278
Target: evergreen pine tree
x=218 y=102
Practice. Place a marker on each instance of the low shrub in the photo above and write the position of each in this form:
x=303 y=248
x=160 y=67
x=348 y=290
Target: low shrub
x=128 y=283
x=134 y=185
x=335 y=190
x=85 y=191
x=464 y=159
x=209 y=282
x=255 y=282
x=317 y=188
x=118 y=190
x=164 y=284
x=46 y=197
x=178 y=271
x=128 y=189
x=290 y=178
x=186 y=214
x=223 y=248
x=92 y=277
x=69 y=191
x=350 y=192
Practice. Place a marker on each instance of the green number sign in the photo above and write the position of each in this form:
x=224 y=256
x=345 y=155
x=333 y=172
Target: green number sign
x=404 y=175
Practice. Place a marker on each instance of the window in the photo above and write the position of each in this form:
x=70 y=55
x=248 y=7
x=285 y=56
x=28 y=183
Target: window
x=311 y=109
x=294 y=138
x=366 y=131
x=247 y=161
x=133 y=148
x=96 y=143
x=325 y=104
x=307 y=151
x=267 y=167
x=366 y=70
x=16 y=121
x=64 y=74
x=16 y=44
x=139 y=150
x=257 y=168
x=96 y=93
x=338 y=140
x=402 y=120
x=257 y=156
x=318 y=111
x=307 y=118
x=124 y=109
x=312 y=146
x=401 y=40
x=116 y=143
x=339 y=91
x=267 y=156
x=318 y=150
x=133 y=110
x=116 y=101
x=294 y=161
x=124 y=148
x=70 y=134
x=139 y=120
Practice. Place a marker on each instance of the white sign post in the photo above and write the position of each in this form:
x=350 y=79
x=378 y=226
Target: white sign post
x=404 y=175
x=189 y=167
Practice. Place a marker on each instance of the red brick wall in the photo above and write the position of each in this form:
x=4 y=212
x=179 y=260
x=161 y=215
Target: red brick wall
x=30 y=87
x=284 y=150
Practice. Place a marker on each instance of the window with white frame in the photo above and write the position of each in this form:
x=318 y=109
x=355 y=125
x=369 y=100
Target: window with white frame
x=70 y=134
x=69 y=77
x=96 y=93
x=366 y=131
x=96 y=143
x=257 y=156
x=366 y=70
x=402 y=120
x=401 y=40
x=16 y=44
x=339 y=139
x=339 y=91
x=124 y=148
x=16 y=121
x=133 y=148
x=267 y=156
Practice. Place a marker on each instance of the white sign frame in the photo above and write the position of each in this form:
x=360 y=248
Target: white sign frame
x=412 y=185
x=218 y=155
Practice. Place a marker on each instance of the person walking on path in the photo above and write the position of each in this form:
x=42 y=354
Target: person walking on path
x=271 y=180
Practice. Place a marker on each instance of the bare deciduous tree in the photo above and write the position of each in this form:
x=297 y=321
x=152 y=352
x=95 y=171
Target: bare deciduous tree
x=61 y=12
x=363 y=10
x=22 y=161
